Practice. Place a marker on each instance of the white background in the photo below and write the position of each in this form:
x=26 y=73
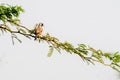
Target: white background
x=93 y=22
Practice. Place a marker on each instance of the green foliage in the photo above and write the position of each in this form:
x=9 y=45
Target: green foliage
x=50 y=51
x=10 y=14
x=82 y=48
x=116 y=57
x=68 y=47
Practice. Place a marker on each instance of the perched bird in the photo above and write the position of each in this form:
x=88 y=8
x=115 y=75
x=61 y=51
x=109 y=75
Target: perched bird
x=38 y=30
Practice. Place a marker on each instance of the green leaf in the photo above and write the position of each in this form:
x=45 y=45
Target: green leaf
x=107 y=55
x=14 y=36
x=99 y=52
x=22 y=30
x=12 y=40
x=50 y=51
x=82 y=50
x=82 y=46
x=116 y=57
x=18 y=39
x=27 y=36
x=115 y=68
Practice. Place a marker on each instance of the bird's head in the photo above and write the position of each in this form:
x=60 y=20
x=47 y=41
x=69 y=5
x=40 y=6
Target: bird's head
x=40 y=24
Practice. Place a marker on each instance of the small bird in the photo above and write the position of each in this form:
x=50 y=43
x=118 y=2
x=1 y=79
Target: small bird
x=38 y=30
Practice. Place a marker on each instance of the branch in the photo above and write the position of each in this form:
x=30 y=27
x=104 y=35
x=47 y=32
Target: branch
x=9 y=15
x=82 y=50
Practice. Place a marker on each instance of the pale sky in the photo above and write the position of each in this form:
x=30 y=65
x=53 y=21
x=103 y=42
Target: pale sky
x=92 y=22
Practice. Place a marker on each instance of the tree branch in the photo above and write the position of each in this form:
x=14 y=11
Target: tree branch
x=9 y=14
x=82 y=50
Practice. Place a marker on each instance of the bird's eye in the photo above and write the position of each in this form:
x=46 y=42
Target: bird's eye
x=41 y=24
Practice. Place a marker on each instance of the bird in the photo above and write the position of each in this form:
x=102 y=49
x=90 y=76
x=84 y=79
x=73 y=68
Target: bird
x=38 y=30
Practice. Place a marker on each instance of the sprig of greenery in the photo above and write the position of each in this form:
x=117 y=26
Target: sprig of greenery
x=9 y=15
x=8 y=12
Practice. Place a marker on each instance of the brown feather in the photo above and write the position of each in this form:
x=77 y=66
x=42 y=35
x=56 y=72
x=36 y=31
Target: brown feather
x=39 y=30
